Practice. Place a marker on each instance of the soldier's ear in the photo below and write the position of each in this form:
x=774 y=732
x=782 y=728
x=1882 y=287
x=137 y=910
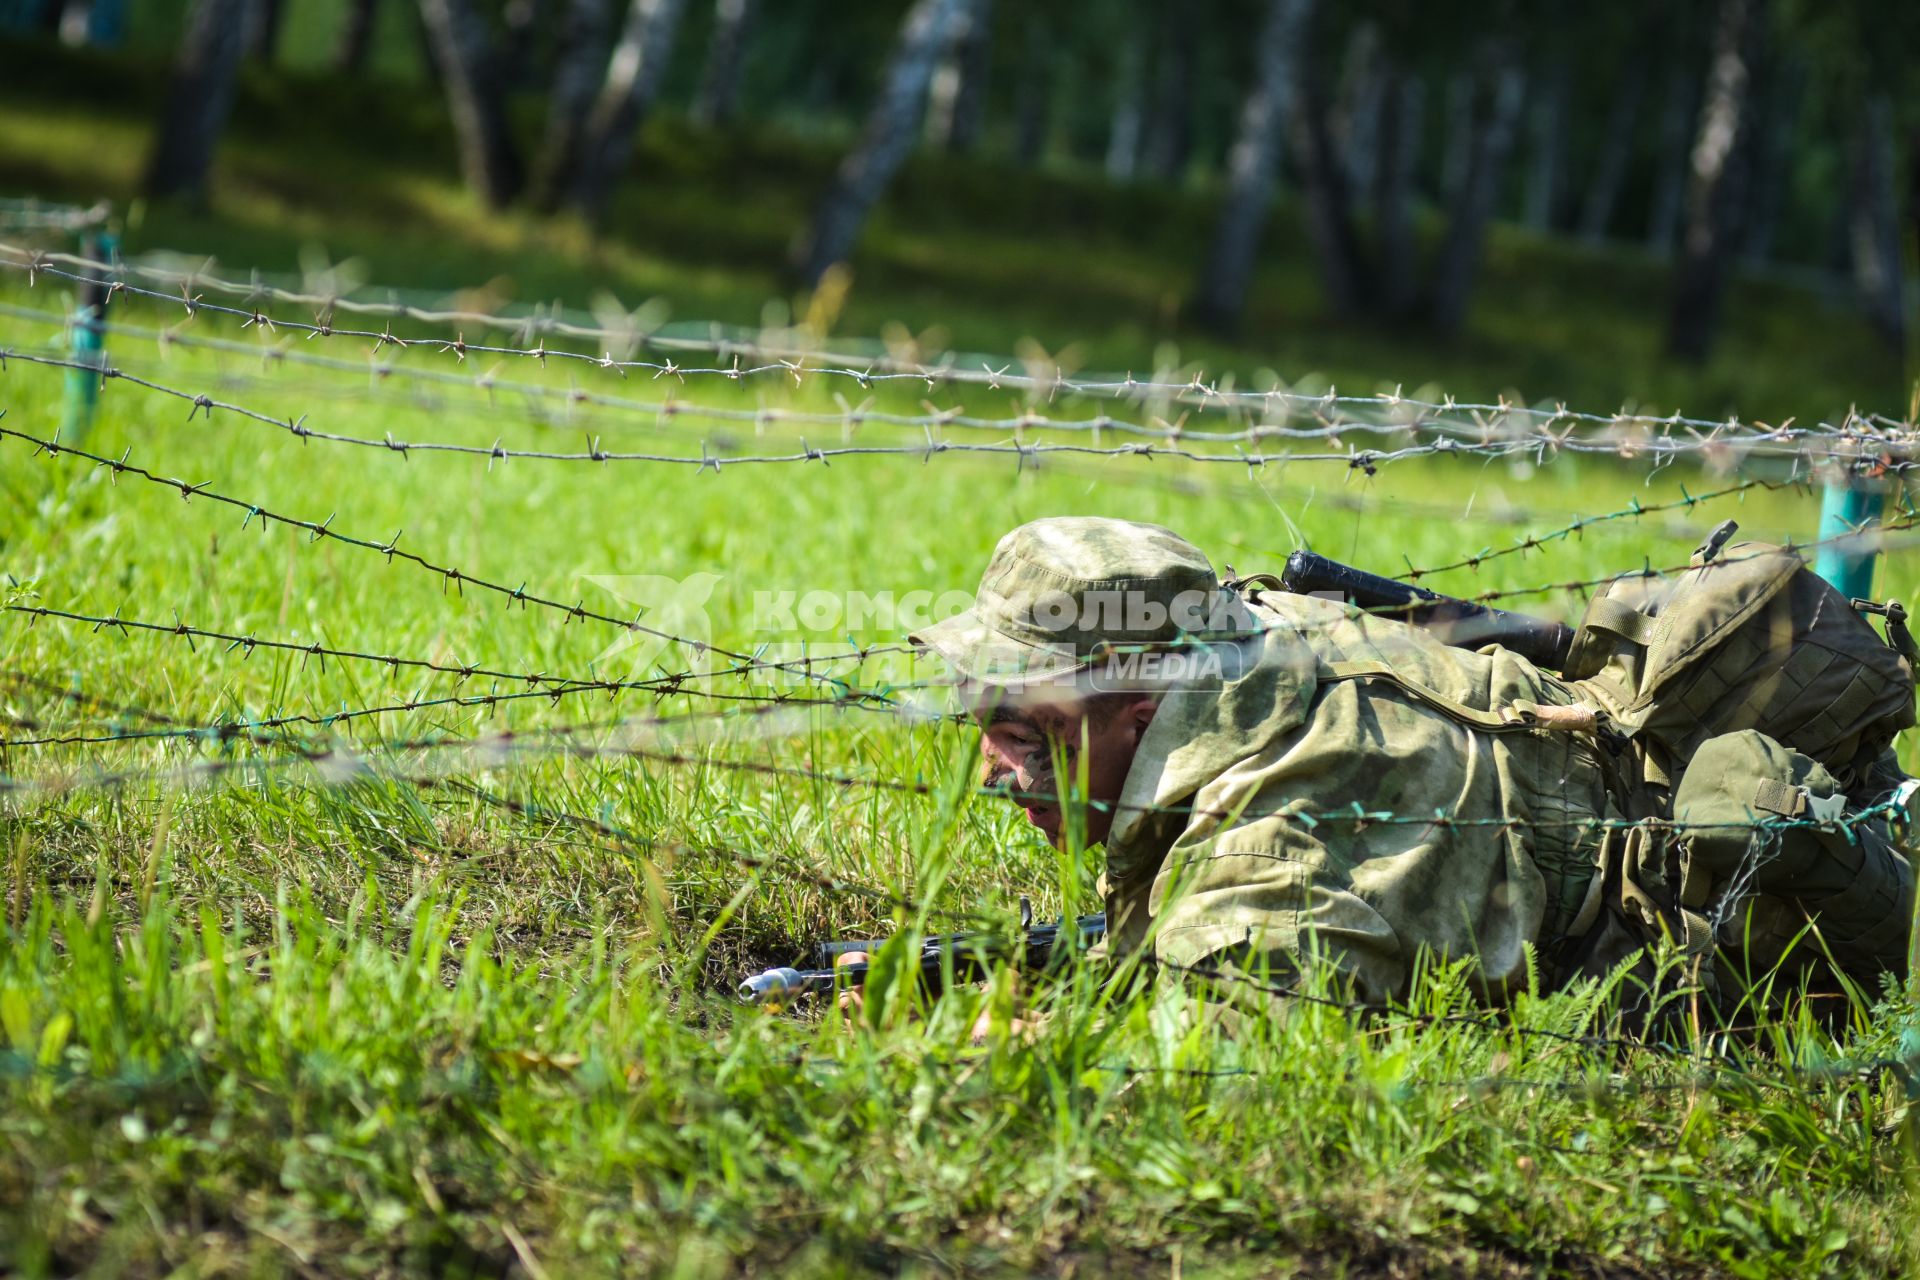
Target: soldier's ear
x=1140 y=715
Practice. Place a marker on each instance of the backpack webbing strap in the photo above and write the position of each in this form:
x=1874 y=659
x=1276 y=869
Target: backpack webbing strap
x=1779 y=797
x=1606 y=616
x=1621 y=619
x=1516 y=719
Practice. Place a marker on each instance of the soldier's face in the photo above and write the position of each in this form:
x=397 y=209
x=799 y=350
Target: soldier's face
x=1019 y=745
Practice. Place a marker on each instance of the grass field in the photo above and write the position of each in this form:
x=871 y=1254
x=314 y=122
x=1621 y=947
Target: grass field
x=465 y=1010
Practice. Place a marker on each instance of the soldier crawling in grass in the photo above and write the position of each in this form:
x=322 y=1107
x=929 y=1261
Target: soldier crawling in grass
x=1296 y=778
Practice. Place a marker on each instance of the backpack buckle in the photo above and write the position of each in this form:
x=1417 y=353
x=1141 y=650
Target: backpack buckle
x=1706 y=552
x=1898 y=637
x=1825 y=811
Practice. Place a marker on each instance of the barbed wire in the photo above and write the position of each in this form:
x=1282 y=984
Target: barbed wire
x=669 y=684
x=849 y=418
x=380 y=372
x=327 y=756
x=541 y=685
x=317 y=531
x=1490 y=1022
x=1364 y=460
x=1870 y=537
x=256 y=730
x=1580 y=524
x=1553 y=425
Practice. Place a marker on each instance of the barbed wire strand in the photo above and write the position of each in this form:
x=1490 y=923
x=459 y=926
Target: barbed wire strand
x=1580 y=524
x=449 y=575
x=848 y=420
x=541 y=684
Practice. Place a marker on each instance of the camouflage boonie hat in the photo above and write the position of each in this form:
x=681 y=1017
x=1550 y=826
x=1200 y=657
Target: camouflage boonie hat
x=1059 y=592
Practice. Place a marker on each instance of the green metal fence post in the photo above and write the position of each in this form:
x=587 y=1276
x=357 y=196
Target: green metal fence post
x=1849 y=511
x=89 y=343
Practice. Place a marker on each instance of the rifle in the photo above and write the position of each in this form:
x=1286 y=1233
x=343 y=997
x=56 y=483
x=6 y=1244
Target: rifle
x=1456 y=622
x=964 y=955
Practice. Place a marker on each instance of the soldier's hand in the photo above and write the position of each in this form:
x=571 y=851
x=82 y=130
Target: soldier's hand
x=852 y=1002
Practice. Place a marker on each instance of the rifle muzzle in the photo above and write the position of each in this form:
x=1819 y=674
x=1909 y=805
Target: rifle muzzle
x=774 y=984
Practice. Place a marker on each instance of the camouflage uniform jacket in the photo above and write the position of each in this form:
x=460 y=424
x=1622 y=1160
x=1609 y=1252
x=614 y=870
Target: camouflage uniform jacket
x=1489 y=846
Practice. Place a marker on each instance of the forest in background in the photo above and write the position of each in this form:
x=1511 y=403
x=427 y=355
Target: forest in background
x=1765 y=136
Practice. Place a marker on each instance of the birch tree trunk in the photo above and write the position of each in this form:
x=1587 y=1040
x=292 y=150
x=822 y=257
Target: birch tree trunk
x=1129 y=110
x=1325 y=176
x=1714 y=178
x=1473 y=207
x=1253 y=164
x=1874 y=223
x=462 y=52
x=579 y=62
x=957 y=95
x=1362 y=90
x=890 y=130
x=720 y=87
x=199 y=99
x=634 y=74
